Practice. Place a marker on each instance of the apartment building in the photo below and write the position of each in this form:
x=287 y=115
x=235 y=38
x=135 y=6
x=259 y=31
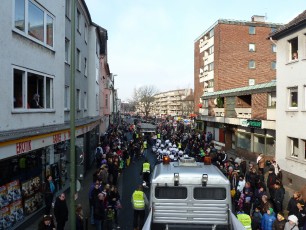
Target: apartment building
x=35 y=44
x=173 y=103
x=291 y=102
x=234 y=77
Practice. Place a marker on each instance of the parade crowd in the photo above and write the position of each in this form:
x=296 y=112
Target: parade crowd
x=256 y=187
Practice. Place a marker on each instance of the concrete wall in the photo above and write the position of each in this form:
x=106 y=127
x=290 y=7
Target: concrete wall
x=22 y=51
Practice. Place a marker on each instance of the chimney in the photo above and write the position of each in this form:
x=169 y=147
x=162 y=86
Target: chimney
x=258 y=18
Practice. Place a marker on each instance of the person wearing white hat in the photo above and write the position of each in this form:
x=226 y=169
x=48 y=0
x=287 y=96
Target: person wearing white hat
x=292 y=223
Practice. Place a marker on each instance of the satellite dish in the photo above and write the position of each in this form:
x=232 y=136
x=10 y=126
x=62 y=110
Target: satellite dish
x=215 y=101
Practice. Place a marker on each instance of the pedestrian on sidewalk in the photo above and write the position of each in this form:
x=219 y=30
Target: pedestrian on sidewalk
x=99 y=211
x=49 y=190
x=79 y=217
x=61 y=211
x=139 y=201
x=94 y=191
x=47 y=223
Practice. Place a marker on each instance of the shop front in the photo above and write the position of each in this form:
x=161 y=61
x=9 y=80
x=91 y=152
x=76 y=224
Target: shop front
x=25 y=163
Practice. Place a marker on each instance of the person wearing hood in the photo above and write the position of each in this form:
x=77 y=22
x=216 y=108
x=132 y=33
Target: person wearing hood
x=279 y=223
x=268 y=219
x=61 y=211
x=292 y=223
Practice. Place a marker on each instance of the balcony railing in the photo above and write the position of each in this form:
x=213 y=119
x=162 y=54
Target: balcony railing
x=244 y=112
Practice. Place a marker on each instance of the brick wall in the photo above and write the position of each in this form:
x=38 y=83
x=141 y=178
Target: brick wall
x=259 y=106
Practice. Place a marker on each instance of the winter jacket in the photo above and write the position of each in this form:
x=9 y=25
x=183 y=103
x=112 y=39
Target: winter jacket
x=291 y=227
x=267 y=221
x=99 y=209
x=60 y=210
x=279 y=225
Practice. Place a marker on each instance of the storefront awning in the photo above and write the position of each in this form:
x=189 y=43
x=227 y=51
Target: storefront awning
x=251 y=89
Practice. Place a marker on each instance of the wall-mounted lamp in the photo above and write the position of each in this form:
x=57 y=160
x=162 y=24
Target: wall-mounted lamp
x=176 y=179
x=204 y=179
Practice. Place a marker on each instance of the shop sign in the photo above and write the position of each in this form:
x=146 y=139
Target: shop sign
x=24 y=146
x=250 y=123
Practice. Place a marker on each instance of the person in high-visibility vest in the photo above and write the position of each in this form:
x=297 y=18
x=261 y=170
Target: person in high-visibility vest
x=144 y=144
x=139 y=201
x=158 y=136
x=245 y=220
x=179 y=145
x=146 y=173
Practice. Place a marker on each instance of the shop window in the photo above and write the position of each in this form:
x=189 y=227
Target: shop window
x=244 y=141
x=252 y=64
x=259 y=144
x=293 y=49
x=252 y=30
x=293 y=97
x=272 y=99
x=37 y=95
x=252 y=47
x=293 y=147
x=34 y=21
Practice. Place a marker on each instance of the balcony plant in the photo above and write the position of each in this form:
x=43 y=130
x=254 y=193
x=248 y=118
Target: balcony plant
x=220 y=102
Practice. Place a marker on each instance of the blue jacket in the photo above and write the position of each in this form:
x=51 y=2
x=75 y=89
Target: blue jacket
x=267 y=221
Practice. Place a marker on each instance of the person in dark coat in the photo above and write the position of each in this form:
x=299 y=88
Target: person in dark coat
x=279 y=223
x=99 y=211
x=271 y=180
x=292 y=204
x=79 y=218
x=61 y=211
x=47 y=223
x=279 y=193
x=49 y=190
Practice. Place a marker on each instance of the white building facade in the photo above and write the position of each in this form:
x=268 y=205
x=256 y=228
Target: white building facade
x=291 y=102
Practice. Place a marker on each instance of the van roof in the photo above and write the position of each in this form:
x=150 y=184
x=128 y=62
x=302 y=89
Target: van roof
x=190 y=174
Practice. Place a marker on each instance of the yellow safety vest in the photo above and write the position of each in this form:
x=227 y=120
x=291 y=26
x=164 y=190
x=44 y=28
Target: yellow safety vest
x=146 y=167
x=158 y=135
x=138 y=200
x=179 y=145
x=137 y=135
x=245 y=220
x=144 y=144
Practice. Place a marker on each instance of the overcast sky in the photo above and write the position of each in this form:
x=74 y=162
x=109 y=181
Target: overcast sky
x=151 y=42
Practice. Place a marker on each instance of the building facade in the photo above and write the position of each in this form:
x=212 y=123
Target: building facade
x=291 y=102
x=235 y=87
x=35 y=100
x=172 y=103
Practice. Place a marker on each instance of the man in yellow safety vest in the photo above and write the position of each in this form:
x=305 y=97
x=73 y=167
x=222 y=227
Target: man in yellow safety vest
x=145 y=172
x=139 y=201
x=245 y=220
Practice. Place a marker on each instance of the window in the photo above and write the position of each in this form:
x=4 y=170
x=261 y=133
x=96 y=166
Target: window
x=273 y=29
x=273 y=64
x=211 y=33
x=68 y=8
x=34 y=22
x=244 y=140
x=78 y=100
x=273 y=48
x=67 y=97
x=205 y=103
x=293 y=97
x=67 y=50
x=205 y=193
x=32 y=90
x=86 y=33
x=252 y=47
x=78 y=21
x=252 y=30
x=293 y=147
x=170 y=193
x=210 y=66
x=252 y=64
x=78 y=60
x=86 y=69
x=272 y=99
x=85 y=101
x=293 y=49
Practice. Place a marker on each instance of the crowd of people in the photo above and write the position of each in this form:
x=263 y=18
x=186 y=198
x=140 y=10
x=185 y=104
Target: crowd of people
x=256 y=187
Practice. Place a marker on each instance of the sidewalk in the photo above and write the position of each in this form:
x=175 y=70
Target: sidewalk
x=82 y=199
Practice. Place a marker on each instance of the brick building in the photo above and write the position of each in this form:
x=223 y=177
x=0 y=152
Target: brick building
x=234 y=85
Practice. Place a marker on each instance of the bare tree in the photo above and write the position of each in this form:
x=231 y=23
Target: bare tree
x=143 y=99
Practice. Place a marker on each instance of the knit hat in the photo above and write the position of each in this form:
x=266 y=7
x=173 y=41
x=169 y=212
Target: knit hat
x=271 y=210
x=293 y=218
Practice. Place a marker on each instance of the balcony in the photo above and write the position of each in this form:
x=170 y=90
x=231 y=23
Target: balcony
x=271 y=114
x=245 y=113
x=203 y=111
x=219 y=112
